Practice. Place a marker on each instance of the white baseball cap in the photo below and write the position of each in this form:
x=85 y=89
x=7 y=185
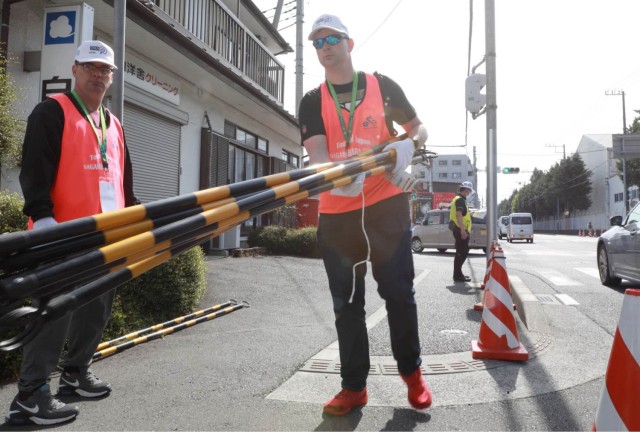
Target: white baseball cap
x=95 y=51
x=327 y=21
x=466 y=185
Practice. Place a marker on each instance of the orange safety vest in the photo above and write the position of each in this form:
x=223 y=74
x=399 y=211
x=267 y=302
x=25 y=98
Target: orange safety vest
x=76 y=190
x=369 y=129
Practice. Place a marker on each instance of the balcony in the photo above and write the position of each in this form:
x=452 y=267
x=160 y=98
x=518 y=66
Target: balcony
x=214 y=25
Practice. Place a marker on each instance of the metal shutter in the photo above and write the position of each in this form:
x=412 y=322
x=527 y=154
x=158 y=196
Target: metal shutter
x=154 y=146
x=214 y=159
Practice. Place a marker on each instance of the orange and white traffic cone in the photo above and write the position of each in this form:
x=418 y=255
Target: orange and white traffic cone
x=494 y=246
x=480 y=306
x=620 y=399
x=498 y=333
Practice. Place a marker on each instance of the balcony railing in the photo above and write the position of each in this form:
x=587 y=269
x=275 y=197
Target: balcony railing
x=213 y=24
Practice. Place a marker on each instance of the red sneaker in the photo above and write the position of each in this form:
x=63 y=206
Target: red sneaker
x=345 y=401
x=419 y=393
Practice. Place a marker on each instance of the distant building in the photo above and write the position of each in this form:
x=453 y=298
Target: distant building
x=446 y=174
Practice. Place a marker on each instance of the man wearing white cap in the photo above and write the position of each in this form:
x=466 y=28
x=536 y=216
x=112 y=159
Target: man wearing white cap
x=75 y=163
x=349 y=113
x=460 y=223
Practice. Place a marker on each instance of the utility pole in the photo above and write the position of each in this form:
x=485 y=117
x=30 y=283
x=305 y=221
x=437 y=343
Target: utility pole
x=624 y=158
x=299 y=49
x=119 y=20
x=491 y=110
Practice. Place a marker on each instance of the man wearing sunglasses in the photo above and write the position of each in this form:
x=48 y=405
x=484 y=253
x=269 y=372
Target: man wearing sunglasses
x=368 y=219
x=74 y=164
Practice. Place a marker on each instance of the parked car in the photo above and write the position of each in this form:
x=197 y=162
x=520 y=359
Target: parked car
x=501 y=227
x=619 y=250
x=434 y=232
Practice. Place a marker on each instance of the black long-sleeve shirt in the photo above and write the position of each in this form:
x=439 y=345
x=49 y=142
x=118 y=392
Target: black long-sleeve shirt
x=41 y=156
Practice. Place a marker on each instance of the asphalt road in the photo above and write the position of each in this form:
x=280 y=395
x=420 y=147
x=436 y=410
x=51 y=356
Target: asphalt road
x=272 y=365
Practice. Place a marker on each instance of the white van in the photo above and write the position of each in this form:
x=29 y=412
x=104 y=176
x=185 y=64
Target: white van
x=520 y=227
x=503 y=222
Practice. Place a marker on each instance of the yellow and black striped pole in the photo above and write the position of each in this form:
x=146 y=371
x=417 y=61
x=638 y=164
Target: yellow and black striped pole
x=166 y=331
x=156 y=327
x=139 y=260
x=26 y=284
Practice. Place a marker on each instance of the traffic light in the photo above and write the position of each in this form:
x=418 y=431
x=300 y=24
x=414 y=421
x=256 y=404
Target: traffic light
x=414 y=196
x=510 y=170
x=474 y=100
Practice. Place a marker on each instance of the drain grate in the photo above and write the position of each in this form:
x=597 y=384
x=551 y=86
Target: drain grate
x=548 y=299
x=389 y=367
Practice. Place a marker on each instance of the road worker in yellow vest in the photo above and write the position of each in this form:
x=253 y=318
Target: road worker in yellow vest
x=460 y=223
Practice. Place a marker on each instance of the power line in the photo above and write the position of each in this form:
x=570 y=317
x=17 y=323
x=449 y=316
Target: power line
x=381 y=24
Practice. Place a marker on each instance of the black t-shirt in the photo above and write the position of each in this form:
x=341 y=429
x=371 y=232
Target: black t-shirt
x=397 y=108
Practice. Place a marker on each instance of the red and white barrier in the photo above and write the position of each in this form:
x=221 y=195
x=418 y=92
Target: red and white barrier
x=619 y=407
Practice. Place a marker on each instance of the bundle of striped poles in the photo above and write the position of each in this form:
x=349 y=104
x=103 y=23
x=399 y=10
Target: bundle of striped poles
x=67 y=265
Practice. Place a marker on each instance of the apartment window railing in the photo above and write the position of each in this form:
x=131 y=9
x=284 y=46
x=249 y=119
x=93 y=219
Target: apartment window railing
x=212 y=23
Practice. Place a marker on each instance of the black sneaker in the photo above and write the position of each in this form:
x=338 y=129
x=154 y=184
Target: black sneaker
x=40 y=408
x=462 y=278
x=83 y=383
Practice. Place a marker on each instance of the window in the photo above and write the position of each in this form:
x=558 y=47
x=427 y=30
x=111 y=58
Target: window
x=442 y=163
x=442 y=175
x=618 y=197
x=469 y=173
x=456 y=175
x=247 y=138
x=290 y=158
x=456 y=162
x=262 y=145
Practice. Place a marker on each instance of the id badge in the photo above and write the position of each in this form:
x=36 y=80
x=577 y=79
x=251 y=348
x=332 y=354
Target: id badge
x=107 y=195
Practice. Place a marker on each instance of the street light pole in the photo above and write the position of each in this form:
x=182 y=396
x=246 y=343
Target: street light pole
x=491 y=109
x=624 y=159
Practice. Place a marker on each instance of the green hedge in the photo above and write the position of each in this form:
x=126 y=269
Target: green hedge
x=170 y=290
x=11 y=216
x=279 y=240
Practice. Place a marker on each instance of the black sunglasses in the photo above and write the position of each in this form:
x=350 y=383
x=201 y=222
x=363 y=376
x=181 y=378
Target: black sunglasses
x=332 y=39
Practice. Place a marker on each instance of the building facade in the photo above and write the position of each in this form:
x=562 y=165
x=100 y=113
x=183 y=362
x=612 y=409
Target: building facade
x=203 y=87
x=444 y=174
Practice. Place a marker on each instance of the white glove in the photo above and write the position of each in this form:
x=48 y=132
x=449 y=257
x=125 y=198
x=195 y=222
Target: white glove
x=352 y=189
x=44 y=222
x=404 y=154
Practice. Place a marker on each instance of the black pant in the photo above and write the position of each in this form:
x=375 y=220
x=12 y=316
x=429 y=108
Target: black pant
x=342 y=244
x=462 y=250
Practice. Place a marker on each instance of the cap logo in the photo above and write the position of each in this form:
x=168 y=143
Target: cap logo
x=324 y=20
x=98 y=48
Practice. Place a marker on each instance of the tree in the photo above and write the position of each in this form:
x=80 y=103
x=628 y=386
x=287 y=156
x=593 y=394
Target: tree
x=632 y=165
x=565 y=187
x=11 y=126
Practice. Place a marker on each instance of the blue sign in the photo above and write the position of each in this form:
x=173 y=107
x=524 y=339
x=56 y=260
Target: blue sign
x=60 y=28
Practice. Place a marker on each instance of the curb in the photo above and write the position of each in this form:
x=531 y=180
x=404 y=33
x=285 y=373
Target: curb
x=528 y=307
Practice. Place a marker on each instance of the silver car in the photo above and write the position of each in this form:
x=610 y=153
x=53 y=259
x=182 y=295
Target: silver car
x=434 y=232
x=619 y=250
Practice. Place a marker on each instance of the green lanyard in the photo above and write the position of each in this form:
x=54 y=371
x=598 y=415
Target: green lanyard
x=101 y=143
x=346 y=131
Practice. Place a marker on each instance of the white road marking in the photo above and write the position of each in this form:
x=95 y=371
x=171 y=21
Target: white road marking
x=567 y=300
x=591 y=271
x=557 y=278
